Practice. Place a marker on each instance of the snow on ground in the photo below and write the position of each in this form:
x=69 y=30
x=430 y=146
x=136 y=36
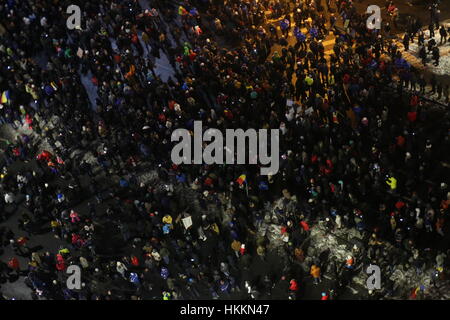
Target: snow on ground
x=321 y=241
x=163 y=69
x=339 y=242
x=407 y=277
x=444 y=62
x=90 y=88
x=147 y=176
x=403 y=276
x=7 y=132
x=114 y=44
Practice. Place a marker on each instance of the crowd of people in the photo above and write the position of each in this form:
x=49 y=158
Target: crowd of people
x=414 y=28
x=359 y=148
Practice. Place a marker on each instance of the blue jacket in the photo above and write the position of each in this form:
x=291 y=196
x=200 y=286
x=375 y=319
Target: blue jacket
x=299 y=34
x=313 y=32
x=284 y=24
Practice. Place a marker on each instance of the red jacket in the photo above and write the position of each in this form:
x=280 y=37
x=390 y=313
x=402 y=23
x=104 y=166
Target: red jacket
x=304 y=225
x=293 y=285
x=14 y=264
x=134 y=261
x=60 y=264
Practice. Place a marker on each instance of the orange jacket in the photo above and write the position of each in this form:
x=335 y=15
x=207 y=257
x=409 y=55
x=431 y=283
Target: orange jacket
x=131 y=72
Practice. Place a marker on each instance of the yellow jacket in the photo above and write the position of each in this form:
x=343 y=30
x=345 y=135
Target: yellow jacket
x=167 y=219
x=392 y=182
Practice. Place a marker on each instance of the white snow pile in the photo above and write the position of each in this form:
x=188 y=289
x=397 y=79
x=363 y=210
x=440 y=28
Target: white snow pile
x=321 y=241
x=444 y=62
x=404 y=277
x=147 y=176
x=339 y=243
x=7 y=132
x=408 y=277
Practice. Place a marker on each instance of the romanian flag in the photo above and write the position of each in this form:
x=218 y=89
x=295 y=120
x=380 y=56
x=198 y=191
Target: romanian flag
x=182 y=11
x=242 y=179
x=5 y=97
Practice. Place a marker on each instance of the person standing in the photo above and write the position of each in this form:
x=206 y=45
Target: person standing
x=433 y=83
x=14 y=265
x=439 y=90
x=301 y=38
x=413 y=81
x=431 y=29
x=421 y=38
x=315 y=273
x=445 y=92
x=285 y=26
x=436 y=55
x=406 y=41
x=273 y=31
x=443 y=34
x=423 y=55
x=431 y=44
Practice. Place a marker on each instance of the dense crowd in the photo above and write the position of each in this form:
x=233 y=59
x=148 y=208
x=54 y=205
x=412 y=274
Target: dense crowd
x=359 y=147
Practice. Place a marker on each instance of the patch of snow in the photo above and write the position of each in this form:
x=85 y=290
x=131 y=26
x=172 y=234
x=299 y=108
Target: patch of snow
x=444 y=62
x=163 y=68
x=90 y=88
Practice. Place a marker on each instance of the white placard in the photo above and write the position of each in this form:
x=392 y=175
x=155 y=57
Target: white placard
x=187 y=222
x=80 y=53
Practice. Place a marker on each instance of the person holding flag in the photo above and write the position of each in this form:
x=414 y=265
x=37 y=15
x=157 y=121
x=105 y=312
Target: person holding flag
x=241 y=181
x=5 y=99
x=183 y=13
